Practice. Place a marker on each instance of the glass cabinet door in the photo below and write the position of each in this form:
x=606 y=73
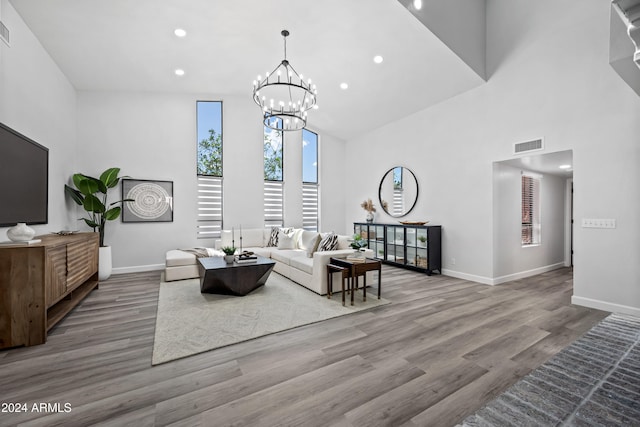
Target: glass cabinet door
x=411 y=236
x=422 y=238
x=395 y=244
x=421 y=258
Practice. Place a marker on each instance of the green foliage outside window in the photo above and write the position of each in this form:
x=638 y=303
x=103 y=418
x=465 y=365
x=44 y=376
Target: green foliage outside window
x=272 y=155
x=210 y=155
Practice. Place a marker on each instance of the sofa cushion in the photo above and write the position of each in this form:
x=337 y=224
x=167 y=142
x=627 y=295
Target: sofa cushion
x=329 y=242
x=302 y=263
x=177 y=257
x=285 y=255
x=265 y=252
x=309 y=241
x=343 y=242
x=252 y=237
x=286 y=240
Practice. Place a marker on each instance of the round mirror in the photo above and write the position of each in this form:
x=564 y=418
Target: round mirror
x=398 y=191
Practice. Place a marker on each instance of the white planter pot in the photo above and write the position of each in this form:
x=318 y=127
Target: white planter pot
x=229 y=259
x=104 y=263
x=20 y=233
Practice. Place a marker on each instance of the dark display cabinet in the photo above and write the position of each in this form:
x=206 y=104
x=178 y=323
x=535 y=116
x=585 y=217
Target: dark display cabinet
x=417 y=247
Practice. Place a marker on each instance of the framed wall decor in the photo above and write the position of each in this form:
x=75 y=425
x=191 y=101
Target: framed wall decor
x=152 y=200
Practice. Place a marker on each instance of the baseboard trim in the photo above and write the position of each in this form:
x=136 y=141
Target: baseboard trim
x=605 y=306
x=528 y=273
x=466 y=276
x=138 y=268
x=502 y=279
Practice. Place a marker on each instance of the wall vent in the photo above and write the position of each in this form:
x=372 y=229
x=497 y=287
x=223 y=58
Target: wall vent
x=523 y=147
x=4 y=33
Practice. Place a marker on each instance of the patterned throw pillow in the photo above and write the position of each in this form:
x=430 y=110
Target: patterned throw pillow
x=273 y=238
x=329 y=242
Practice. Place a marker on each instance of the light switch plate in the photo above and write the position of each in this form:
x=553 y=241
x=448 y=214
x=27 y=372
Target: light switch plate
x=598 y=223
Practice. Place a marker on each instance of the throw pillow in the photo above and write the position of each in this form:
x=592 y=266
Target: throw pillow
x=309 y=241
x=329 y=242
x=273 y=238
x=285 y=240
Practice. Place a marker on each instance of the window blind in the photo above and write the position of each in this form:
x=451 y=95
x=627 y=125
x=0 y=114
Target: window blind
x=310 y=206
x=273 y=204
x=209 y=222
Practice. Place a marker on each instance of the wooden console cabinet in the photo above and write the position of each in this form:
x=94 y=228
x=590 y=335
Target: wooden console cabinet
x=40 y=283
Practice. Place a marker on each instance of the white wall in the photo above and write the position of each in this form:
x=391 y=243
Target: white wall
x=511 y=260
x=153 y=136
x=549 y=77
x=38 y=101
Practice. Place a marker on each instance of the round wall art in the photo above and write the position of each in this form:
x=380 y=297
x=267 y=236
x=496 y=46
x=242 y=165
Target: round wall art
x=150 y=201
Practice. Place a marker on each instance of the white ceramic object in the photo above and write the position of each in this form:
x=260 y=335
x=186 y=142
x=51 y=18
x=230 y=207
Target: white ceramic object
x=229 y=259
x=21 y=233
x=104 y=262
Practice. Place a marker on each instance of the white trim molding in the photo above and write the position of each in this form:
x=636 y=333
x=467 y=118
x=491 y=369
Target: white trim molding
x=605 y=306
x=527 y=273
x=502 y=279
x=138 y=268
x=466 y=276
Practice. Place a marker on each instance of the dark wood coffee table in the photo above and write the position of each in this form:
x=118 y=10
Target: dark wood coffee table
x=218 y=277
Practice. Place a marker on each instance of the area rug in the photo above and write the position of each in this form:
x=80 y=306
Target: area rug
x=595 y=381
x=189 y=322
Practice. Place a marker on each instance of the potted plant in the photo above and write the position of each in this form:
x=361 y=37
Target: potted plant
x=91 y=193
x=423 y=240
x=229 y=252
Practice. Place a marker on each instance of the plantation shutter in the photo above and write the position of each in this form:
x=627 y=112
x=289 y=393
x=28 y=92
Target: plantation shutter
x=209 y=223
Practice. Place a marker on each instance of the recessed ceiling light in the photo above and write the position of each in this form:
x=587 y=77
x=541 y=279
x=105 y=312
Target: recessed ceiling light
x=344 y=86
x=417 y=4
x=179 y=72
x=179 y=32
x=378 y=59
x=315 y=107
x=565 y=166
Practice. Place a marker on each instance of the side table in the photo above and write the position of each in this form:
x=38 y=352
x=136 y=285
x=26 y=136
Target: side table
x=360 y=269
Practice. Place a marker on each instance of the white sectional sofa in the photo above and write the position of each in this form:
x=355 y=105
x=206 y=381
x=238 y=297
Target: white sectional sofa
x=297 y=256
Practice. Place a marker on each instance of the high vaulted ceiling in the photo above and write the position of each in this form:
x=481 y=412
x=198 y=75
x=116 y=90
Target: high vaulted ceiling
x=129 y=45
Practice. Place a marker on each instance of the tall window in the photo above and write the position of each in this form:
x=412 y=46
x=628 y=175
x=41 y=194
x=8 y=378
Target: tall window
x=530 y=210
x=309 y=180
x=209 y=169
x=273 y=177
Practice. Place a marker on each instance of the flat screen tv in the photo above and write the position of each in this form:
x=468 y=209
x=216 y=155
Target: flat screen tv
x=24 y=179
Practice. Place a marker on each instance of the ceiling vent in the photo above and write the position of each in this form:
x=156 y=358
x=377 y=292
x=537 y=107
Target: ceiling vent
x=4 y=33
x=525 y=147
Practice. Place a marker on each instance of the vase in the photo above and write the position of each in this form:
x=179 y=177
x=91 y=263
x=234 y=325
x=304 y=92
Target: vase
x=229 y=259
x=21 y=233
x=104 y=262
x=369 y=216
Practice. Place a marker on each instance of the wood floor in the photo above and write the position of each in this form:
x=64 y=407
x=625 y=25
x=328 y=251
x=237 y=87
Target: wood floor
x=436 y=354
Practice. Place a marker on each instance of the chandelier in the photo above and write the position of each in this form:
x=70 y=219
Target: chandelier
x=284 y=96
